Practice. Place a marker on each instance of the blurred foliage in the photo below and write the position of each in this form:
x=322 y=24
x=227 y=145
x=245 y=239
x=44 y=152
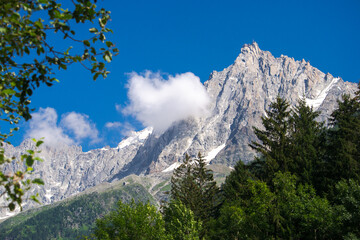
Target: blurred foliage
x=28 y=59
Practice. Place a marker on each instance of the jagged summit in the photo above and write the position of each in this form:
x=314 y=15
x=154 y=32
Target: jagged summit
x=240 y=95
x=251 y=48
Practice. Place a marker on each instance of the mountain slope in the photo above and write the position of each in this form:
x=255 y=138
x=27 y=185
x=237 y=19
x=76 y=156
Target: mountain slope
x=239 y=94
x=66 y=170
x=74 y=217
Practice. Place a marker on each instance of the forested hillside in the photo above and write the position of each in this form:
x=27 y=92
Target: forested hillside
x=73 y=217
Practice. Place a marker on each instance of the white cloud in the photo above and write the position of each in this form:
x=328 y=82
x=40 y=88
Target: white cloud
x=159 y=103
x=44 y=125
x=125 y=129
x=118 y=107
x=113 y=124
x=80 y=125
x=73 y=128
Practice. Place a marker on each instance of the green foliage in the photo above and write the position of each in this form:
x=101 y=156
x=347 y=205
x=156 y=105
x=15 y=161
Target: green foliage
x=180 y=222
x=28 y=59
x=307 y=143
x=344 y=141
x=193 y=185
x=229 y=224
x=72 y=218
x=347 y=196
x=235 y=186
x=306 y=215
x=295 y=154
x=287 y=212
x=131 y=221
x=15 y=185
x=275 y=142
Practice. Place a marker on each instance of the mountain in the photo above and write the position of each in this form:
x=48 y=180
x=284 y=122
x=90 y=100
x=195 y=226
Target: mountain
x=67 y=170
x=239 y=94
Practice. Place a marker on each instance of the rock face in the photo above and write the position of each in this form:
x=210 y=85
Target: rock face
x=240 y=95
x=66 y=170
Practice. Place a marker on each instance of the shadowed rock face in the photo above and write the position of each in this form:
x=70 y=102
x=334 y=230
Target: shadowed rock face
x=240 y=94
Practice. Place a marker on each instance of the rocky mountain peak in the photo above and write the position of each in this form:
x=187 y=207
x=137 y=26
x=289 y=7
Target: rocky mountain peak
x=252 y=48
x=240 y=94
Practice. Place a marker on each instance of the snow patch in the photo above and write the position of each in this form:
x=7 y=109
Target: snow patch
x=135 y=137
x=172 y=167
x=316 y=102
x=212 y=154
x=265 y=114
x=48 y=194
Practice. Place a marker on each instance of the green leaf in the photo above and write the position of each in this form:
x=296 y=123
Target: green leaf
x=11 y=206
x=29 y=161
x=9 y=91
x=109 y=44
x=96 y=75
x=38 y=143
x=38 y=181
x=34 y=198
x=86 y=43
x=30 y=151
x=38 y=159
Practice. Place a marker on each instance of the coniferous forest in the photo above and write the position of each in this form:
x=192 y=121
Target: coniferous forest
x=303 y=184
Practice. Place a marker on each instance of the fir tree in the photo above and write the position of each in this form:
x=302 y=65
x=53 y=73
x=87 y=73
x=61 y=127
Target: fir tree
x=307 y=140
x=343 y=153
x=235 y=186
x=275 y=143
x=193 y=185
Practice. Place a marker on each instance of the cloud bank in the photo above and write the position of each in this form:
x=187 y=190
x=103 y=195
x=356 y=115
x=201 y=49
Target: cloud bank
x=73 y=128
x=158 y=103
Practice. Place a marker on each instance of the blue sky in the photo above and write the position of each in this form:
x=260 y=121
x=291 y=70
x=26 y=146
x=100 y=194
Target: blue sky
x=176 y=37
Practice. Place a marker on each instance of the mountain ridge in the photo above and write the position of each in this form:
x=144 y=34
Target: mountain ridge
x=239 y=94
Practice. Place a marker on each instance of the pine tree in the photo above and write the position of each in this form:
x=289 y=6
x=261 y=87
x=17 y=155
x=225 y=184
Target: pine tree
x=275 y=143
x=307 y=140
x=236 y=183
x=343 y=153
x=193 y=185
